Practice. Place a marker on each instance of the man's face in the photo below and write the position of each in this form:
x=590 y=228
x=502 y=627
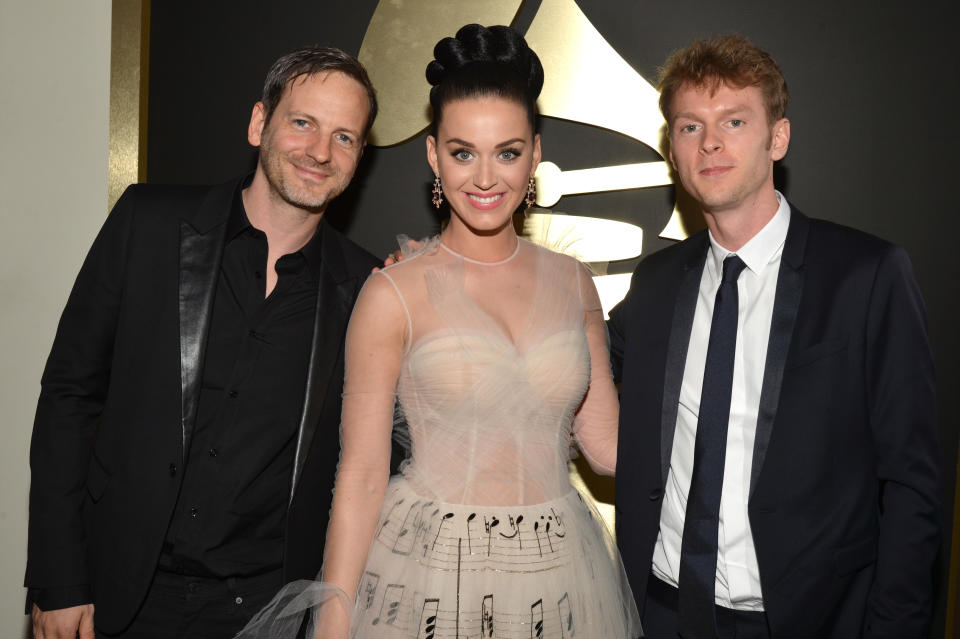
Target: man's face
x=310 y=148
x=723 y=147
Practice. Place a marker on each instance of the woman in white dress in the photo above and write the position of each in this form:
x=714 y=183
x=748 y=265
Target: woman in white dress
x=496 y=350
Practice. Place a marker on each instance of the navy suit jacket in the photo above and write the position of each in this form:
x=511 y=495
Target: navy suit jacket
x=844 y=490
x=119 y=398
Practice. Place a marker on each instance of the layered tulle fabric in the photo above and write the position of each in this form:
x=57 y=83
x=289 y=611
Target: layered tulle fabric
x=498 y=369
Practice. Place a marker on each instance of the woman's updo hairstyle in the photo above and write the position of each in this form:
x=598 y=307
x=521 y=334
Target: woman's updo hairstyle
x=484 y=61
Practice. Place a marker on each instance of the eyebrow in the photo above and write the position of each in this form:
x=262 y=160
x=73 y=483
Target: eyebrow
x=300 y=115
x=460 y=142
x=739 y=108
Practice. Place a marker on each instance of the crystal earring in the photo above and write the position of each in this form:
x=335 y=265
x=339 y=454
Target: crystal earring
x=531 y=193
x=437 y=192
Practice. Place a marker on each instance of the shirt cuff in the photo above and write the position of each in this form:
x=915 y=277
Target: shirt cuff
x=58 y=597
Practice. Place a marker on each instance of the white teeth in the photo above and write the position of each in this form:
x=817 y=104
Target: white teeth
x=485 y=200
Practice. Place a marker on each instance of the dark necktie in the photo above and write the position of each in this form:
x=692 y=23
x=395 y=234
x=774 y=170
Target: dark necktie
x=698 y=550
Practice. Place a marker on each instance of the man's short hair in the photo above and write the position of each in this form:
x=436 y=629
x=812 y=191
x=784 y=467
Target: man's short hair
x=310 y=61
x=726 y=59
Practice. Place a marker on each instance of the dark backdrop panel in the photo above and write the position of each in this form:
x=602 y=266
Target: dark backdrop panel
x=874 y=95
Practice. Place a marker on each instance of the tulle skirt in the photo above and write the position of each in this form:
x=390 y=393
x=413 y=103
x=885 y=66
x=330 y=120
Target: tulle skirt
x=438 y=570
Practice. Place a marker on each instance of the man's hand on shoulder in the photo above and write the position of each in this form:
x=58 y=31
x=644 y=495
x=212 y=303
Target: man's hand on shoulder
x=66 y=623
x=397 y=256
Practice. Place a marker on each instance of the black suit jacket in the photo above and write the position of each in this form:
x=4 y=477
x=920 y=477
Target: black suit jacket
x=844 y=487
x=119 y=398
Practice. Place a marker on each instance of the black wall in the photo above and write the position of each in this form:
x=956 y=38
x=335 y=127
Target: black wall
x=873 y=111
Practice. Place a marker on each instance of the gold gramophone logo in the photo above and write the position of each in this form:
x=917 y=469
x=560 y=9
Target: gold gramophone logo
x=586 y=81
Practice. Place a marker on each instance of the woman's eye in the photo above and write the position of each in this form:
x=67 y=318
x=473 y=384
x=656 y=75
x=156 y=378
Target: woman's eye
x=509 y=154
x=463 y=155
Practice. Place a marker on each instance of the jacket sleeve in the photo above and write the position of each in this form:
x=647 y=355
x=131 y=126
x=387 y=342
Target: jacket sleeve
x=903 y=416
x=73 y=393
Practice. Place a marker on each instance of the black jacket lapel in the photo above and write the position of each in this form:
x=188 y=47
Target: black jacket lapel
x=683 y=311
x=201 y=250
x=335 y=296
x=785 y=305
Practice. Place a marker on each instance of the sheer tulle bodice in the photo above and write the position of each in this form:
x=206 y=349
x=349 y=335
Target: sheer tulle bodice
x=496 y=365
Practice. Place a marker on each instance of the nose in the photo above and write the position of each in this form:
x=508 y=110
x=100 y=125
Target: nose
x=484 y=178
x=711 y=141
x=319 y=148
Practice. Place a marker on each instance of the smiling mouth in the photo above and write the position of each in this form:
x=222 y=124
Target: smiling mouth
x=715 y=170
x=488 y=199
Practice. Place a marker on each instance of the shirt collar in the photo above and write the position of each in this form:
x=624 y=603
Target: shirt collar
x=238 y=222
x=763 y=248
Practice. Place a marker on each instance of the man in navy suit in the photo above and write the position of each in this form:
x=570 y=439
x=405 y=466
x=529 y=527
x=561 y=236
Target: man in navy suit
x=777 y=471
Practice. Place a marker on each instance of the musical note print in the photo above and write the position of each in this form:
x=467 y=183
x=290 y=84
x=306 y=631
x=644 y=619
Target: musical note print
x=515 y=525
x=536 y=619
x=405 y=541
x=368 y=588
x=428 y=619
x=391 y=605
x=566 y=617
x=386 y=520
x=470 y=519
x=486 y=616
x=488 y=526
x=446 y=518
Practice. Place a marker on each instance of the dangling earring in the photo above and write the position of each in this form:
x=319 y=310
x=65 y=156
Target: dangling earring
x=437 y=192
x=531 y=193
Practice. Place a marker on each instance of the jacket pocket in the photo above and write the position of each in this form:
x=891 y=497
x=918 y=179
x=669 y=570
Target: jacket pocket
x=853 y=557
x=97 y=479
x=811 y=354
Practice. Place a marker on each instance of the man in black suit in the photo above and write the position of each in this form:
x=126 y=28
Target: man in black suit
x=777 y=472
x=186 y=436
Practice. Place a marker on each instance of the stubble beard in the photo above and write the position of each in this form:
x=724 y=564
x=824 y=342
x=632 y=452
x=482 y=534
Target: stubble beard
x=279 y=171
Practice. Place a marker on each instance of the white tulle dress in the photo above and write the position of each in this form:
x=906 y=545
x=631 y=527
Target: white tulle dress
x=482 y=535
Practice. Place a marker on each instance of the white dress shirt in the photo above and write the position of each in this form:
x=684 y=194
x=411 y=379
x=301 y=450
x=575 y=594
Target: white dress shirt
x=738 y=578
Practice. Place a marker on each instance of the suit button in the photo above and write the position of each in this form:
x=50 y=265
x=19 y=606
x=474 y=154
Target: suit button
x=656 y=494
x=194 y=513
x=173 y=470
x=233 y=394
x=212 y=452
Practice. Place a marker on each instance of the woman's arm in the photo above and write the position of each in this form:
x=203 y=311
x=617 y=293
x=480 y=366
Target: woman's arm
x=595 y=425
x=374 y=350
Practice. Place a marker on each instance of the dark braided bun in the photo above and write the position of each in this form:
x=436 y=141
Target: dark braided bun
x=484 y=61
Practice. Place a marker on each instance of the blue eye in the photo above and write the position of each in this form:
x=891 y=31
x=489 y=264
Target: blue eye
x=343 y=138
x=736 y=123
x=509 y=154
x=462 y=154
x=300 y=123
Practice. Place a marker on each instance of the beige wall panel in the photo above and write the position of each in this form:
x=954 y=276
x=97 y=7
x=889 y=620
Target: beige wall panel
x=55 y=90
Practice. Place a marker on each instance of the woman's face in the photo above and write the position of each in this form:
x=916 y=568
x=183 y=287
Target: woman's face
x=485 y=153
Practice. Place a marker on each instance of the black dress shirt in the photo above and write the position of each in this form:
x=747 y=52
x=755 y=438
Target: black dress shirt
x=230 y=513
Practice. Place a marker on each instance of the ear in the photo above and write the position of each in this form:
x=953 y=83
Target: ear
x=536 y=154
x=432 y=154
x=780 y=139
x=673 y=162
x=257 y=120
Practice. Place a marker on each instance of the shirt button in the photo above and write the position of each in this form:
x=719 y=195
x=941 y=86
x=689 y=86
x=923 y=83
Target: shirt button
x=173 y=470
x=239 y=600
x=213 y=452
x=233 y=394
x=194 y=513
